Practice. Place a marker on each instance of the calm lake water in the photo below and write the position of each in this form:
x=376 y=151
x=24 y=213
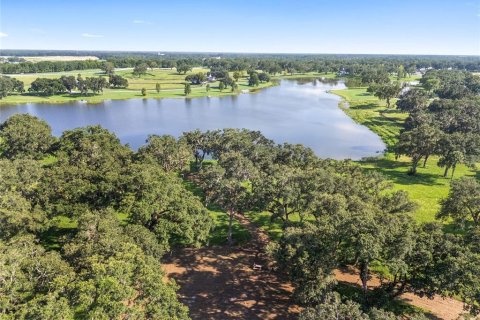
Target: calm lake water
x=294 y=112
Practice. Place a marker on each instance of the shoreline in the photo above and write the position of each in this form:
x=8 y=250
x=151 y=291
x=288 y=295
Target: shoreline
x=165 y=94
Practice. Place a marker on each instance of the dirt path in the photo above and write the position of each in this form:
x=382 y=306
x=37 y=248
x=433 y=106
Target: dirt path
x=440 y=308
x=220 y=283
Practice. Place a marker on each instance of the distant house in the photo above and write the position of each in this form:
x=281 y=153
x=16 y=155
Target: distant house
x=423 y=70
x=343 y=72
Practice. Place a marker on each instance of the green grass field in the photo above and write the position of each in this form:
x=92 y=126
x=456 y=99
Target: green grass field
x=364 y=108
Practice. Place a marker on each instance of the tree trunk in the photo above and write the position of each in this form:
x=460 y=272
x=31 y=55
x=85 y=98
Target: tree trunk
x=425 y=161
x=197 y=156
x=286 y=214
x=400 y=290
x=388 y=103
x=476 y=218
x=413 y=169
x=453 y=170
x=364 y=276
x=230 y=224
x=445 y=173
x=201 y=161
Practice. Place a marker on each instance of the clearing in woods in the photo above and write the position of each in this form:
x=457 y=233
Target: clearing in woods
x=219 y=283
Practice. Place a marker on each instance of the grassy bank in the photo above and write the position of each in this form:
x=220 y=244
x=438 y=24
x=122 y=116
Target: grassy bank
x=365 y=109
x=171 y=86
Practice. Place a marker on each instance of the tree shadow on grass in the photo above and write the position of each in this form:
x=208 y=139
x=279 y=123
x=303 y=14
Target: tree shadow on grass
x=218 y=236
x=53 y=238
x=391 y=110
x=386 y=124
x=367 y=106
x=273 y=228
x=389 y=168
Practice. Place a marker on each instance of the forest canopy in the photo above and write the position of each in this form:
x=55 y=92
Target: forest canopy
x=126 y=209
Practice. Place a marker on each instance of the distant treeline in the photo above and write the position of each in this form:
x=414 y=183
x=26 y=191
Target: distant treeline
x=271 y=63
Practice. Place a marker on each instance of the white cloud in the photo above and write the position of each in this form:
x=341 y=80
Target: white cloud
x=3 y=34
x=89 y=35
x=141 y=22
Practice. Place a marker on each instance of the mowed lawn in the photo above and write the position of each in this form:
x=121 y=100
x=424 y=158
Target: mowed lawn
x=426 y=188
x=368 y=110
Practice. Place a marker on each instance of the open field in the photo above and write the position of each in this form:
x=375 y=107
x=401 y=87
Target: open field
x=59 y=58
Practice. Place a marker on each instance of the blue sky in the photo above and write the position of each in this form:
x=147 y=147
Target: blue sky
x=287 y=26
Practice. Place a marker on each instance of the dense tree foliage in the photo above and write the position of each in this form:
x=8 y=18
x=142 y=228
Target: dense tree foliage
x=48 y=87
x=108 y=68
x=106 y=269
x=25 y=136
x=117 y=81
x=183 y=66
x=413 y=100
x=446 y=125
x=9 y=85
x=334 y=308
x=171 y=154
x=385 y=91
x=127 y=209
x=253 y=79
x=463 y=201
x=140 y=69
x=451 y=84
x=197 y=78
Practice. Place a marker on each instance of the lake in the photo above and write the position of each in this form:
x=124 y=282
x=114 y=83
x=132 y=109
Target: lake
x=295 y=111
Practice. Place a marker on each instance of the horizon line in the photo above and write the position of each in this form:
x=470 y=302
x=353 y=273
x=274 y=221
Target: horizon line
x=251 y=53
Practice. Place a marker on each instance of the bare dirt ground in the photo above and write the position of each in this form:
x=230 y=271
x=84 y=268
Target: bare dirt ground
x=220 y=283
x=440 y=308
